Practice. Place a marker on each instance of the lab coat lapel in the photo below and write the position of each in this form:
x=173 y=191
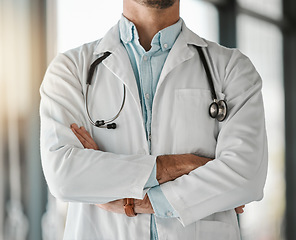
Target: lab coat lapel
x=181 y=51
x=118 y=62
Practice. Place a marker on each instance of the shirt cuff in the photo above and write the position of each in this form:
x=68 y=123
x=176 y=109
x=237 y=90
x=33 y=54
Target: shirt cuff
x=152 y=181
x=160 y=204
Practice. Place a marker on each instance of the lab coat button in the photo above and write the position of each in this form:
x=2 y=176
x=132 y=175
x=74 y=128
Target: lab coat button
x=165 y=45
x=147 y=96
x=169 y=214
x=145 y=58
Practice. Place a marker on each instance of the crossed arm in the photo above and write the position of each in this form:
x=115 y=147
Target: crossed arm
x=168 y=167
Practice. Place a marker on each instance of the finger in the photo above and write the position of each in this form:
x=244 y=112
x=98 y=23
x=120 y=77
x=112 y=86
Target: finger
x=104 y=207
x=83 y=141
x=74 y=125
x=85 y=134
x=100 y=205
x=89 y=138
x=114 y=206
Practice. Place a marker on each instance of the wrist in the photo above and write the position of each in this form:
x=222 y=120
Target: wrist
x=129 y=207
x=143 y=206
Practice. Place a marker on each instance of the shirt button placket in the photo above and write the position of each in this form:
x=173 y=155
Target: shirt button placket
x=169 y=214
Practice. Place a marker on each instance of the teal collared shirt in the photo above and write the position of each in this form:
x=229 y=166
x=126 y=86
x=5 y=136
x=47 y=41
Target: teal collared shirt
x=147 y=67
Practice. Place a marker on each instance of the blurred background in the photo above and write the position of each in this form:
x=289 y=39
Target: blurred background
x=32 y=32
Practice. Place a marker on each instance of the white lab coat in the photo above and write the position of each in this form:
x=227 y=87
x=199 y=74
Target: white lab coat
x=205 y=199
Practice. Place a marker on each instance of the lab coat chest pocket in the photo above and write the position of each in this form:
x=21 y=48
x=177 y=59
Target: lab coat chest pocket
x=196 y=131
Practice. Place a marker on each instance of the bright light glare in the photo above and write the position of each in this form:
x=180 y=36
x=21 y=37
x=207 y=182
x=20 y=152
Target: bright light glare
x=201 y=17
x=84 y=21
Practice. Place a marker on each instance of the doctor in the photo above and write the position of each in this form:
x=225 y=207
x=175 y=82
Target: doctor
x=169 y=170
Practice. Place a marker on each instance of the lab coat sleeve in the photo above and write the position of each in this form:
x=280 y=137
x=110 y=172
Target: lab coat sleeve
x=237 y=174
x=73 y=173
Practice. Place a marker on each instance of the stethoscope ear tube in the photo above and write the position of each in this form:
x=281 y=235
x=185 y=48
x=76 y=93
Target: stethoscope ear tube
x=94 y=65
x=101 y=123
x=207 y=69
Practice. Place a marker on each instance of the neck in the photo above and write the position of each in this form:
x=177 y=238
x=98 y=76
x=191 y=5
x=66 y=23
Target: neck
x=149 y=21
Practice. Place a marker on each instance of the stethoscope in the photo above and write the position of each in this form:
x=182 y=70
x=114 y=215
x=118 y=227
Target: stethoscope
x=217 y=109
x=101 y=123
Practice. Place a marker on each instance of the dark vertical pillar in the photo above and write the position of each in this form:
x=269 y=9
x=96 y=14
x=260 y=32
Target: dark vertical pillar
x=227 y=23
x=289 y=41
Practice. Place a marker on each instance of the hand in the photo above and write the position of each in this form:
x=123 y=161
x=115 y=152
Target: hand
x=88 y=142
x=170 y=167
x=116 y=206
x=84 y=137
x=141 y=206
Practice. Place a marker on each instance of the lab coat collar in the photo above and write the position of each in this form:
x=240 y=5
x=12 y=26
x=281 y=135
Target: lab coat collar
x=179 y=53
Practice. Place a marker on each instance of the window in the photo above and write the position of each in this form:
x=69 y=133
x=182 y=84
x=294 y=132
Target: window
x=201 y=17
x=84 y=21
x=80 y=22
x=262 y=42
x=269 y=8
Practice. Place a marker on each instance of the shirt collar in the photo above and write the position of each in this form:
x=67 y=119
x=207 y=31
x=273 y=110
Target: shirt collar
x=127 y=30
x=112 y=42
x=165 y=38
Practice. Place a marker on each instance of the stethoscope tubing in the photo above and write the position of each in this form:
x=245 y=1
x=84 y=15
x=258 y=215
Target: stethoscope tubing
x=217 y=110
x=111 y=119
x=209 y=75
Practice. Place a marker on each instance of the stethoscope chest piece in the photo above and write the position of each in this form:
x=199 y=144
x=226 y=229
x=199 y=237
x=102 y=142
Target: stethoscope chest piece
x=218 y=110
